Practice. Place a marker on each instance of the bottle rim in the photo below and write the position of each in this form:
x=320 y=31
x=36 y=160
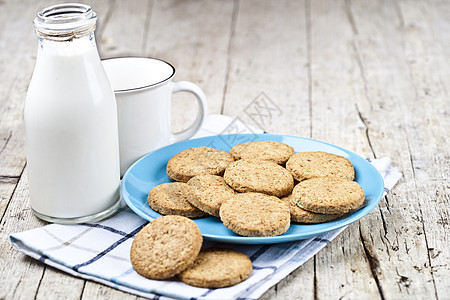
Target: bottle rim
x=64 y=22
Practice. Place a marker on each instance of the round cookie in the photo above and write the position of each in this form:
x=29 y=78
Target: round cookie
x=306 y=165
x=255 y=214
x=209 y=192
x=198 y=161
x=259 y=176
x=265 y=150
x=165 y=247
x=299 y=215
x=217 y=268
x=328 y=195
x=173 y=198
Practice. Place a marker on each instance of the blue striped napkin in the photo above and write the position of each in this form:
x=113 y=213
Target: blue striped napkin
x=100 y=251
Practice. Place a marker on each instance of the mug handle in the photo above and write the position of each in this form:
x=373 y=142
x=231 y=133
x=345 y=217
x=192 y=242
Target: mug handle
x=186 y=86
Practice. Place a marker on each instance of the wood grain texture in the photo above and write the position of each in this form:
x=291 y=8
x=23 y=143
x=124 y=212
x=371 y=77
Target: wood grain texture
x=427 y=54
x=14 y=78
x=93 y=290
x=370 y=76
x=68 y=287
x=20 y=275
x=193 y=36
x=128 y=37
x=267 y=83
x=406 y=217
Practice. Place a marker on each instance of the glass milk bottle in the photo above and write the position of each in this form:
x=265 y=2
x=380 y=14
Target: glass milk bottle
x=70 y=121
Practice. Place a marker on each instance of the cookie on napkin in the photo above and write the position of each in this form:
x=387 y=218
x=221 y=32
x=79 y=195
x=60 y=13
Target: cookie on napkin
x=165 y=247
x=217 y=268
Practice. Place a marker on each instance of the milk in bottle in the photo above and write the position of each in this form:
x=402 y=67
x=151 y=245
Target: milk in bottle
x=70 y=121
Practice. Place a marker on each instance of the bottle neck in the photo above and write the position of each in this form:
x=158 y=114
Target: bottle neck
x=75 y=46
x=65 y=22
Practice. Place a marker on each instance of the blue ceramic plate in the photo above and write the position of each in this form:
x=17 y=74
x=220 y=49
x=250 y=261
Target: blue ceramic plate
x=150 y=171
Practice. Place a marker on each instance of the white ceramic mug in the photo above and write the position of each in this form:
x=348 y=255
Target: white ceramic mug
x=143 y=89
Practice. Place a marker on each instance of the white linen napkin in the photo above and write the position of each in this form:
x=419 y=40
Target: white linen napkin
x=100 y=251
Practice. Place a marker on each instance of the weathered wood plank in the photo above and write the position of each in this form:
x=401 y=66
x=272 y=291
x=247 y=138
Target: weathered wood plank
x=7 y=186
x=193 y=36
x=55 y=284
x=268 y=80
x=14 y=78
x=298 y=285
x=426 y=41
x=337 y=88
x=12 y=162
x=16 y=72
x=19 y=275
x=22 y=277
x=128 y=36
x=402 y=266
x=95 y=290
x=342 y=269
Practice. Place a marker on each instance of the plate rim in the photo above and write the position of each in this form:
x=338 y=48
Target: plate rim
x=275 y=239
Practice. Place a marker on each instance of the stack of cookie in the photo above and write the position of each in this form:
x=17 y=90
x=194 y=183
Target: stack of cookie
x=258 y=188
x=326 y=189
x=171 y=246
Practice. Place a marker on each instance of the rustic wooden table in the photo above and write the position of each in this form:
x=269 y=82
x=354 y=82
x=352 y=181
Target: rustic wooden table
x=369 y=76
